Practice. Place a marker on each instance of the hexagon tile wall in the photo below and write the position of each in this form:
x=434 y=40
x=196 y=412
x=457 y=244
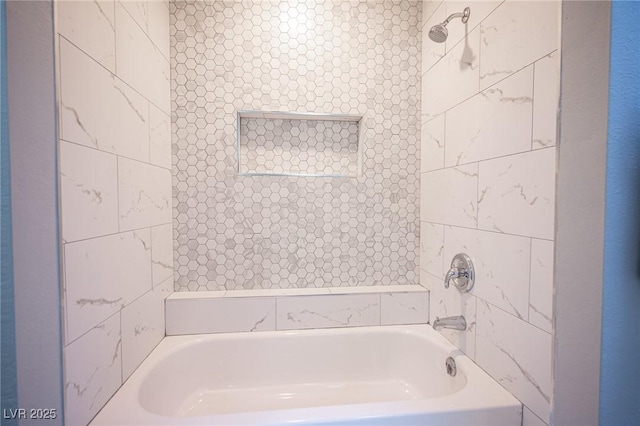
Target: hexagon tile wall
x=249 y=232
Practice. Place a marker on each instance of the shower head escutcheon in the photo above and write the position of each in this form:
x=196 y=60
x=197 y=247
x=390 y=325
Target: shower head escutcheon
x=439 y=33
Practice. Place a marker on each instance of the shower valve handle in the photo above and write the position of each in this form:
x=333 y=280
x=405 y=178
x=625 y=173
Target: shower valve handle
x=461 y=274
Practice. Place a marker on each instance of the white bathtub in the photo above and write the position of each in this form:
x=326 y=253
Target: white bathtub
x=391 y=375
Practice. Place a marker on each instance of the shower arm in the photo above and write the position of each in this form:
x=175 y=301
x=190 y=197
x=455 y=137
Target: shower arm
x=464 y=15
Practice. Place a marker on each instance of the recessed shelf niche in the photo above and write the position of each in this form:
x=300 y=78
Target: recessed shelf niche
x=299 y=144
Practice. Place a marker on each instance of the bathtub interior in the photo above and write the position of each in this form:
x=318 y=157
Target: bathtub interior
x=211 y=375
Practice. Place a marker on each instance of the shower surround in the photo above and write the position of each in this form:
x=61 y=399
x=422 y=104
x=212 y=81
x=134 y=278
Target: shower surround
x=115 y=192
x=488 y=185
x=260 y=232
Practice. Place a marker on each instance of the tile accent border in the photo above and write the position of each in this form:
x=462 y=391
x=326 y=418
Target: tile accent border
x=294 y=309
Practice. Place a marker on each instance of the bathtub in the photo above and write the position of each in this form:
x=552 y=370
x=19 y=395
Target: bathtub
x=385 y=375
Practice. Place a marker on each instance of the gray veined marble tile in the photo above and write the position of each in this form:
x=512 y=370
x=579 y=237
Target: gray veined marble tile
x=159 y=26
x=515 y=35
x=480 y=9
x=159 y=137
x=88 y=192
x=144 y=194
x=432 y=248
x=432 y=52
x=518 y=355
x=143 y=326
x=454 y=78
x=90 y=25
x=117 y=123
x=404 y=308
x=220 y=315
x=93 y=367
x=530 y=419
x=494 y=123
x=162 y=252
x=517 y=194
x=449 y=196
x=545 y=101
x=541 y=295
x=449 y=302
x=501 y=263
x=102 y=275
x=327 y=311
x=432 y=143
x=138 y=10
x=140 y=63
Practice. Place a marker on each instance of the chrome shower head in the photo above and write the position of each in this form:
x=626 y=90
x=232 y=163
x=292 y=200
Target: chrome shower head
x=439 y=33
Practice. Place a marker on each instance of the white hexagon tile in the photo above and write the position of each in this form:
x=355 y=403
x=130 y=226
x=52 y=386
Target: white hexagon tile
x=334 y=57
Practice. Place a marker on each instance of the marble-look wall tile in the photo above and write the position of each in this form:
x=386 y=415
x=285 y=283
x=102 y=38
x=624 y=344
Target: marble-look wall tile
x=432 y=52
x=93 y=371
x=88 y=192
x=143 y=326
x=161 y=252
x=432 y=248
x=118 y=123
x=428 y=9
x=449 y=196
x=501 y=263
x=454 y=78
x=160 y=137
x=517 y=354
x=90 y=25
x=517 y=194
x=139 y=62
x=512 y=145
x=494 y=123
x=139 y=11
x=541 y=292
x=159 y=29
x=404 y=308
x=479 y=11
x=516 y=35
x=220 y=315
x=545 y=101
x=102 y=275
x=448 y=302
x=530 y=419
x=432 y=144
x=301 y=312
x=144 y=194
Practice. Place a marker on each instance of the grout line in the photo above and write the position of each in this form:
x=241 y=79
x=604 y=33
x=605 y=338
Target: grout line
x=486 y=230
x=533 y=101
x=116 y=233
x=114 y=74
x=478 y=195
x=489 y=159
x=118 y=191
x=529 y=279
x=430 y=117
x=115 y=43
x=113 y=153
x=121 y=351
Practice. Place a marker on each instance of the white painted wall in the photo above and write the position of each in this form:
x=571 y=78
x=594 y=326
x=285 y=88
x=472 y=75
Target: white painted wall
x=34 y=190
x=579 y=253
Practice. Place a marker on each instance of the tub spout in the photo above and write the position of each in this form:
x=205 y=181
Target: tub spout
x=454 y=323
